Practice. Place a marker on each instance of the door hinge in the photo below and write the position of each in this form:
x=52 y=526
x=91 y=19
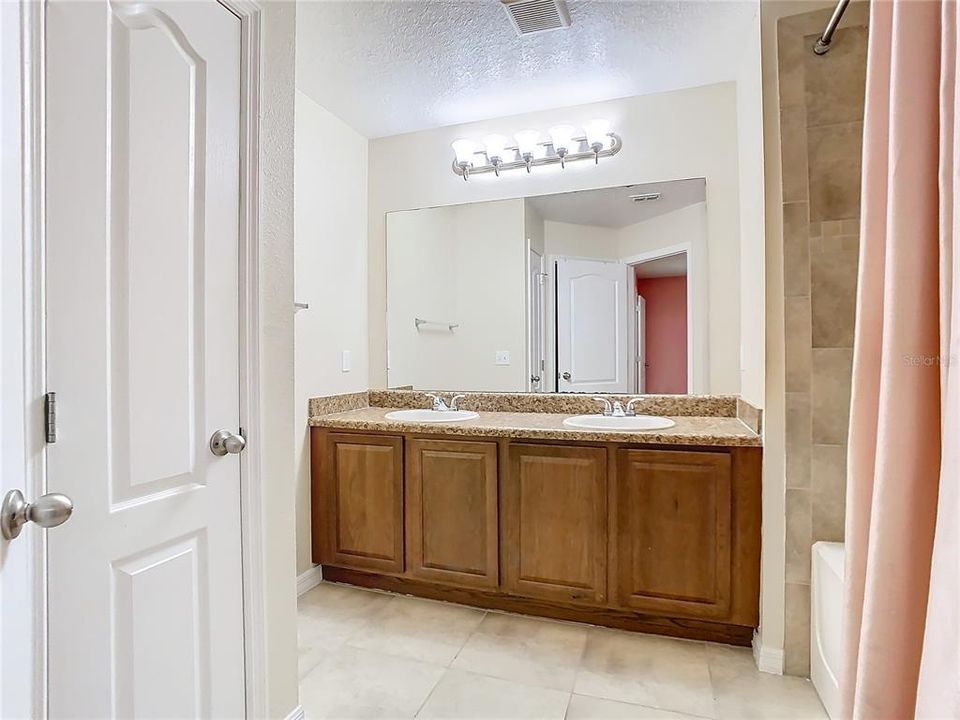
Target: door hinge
x=50 y=417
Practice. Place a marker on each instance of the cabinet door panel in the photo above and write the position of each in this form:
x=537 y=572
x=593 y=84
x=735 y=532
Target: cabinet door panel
x=452 y=511
x=555 y=522
x=674 y=532
x=363 y=484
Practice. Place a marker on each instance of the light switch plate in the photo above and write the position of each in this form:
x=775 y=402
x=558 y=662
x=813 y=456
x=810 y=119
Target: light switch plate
x=345 y=361
x=502 y=357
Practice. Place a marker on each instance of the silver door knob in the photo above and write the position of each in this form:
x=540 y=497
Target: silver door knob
x=48 y=511
x=534 y=378
x=566 y=376
x=224 y=441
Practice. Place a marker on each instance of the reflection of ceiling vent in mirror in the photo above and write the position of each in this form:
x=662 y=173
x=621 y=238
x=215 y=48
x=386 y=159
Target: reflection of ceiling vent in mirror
x=643 y=197
x=534 y=16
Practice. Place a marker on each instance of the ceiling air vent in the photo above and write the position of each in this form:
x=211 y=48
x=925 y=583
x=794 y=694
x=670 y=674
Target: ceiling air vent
x=645 y=197
x=535 y=16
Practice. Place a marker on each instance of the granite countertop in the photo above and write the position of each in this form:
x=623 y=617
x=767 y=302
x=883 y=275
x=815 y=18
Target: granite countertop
x=689 y=430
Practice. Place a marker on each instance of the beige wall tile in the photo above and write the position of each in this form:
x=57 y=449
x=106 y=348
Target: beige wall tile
x=790 y=65
x=798 y=440
x=828 y=481
x=830 y=395
x=834 y=171
x=796 y=250
x=793 y=154
x=796 y=311
x=799 y=535
x=796 y=639
x=835 y=83
x=833 y=290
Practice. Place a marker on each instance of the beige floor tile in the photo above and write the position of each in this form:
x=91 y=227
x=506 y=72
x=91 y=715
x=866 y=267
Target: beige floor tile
x=584 y=707
x=419 y=629
x=467 y=696
x=327 y=616
x=525 y=650
x=354 y=683
x=658 y=672
x=744 y=693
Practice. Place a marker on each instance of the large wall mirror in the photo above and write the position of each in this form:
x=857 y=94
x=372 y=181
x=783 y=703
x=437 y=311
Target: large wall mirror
x=598 y=291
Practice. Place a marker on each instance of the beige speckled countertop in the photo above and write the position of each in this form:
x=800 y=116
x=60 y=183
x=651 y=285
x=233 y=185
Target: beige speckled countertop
x=689 y=430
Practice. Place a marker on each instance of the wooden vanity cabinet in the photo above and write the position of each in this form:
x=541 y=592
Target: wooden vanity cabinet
x=358 y=521
x=451 y=512
x=555 y=522
x=662 y=540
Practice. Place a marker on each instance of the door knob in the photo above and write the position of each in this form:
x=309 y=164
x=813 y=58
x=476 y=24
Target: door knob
x=566 y=376
x=48 y=511
x=224 y=441
x=534 y=378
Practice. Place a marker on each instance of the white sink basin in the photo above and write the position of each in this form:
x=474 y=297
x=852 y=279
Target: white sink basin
x=429 y=416
x=619 y=424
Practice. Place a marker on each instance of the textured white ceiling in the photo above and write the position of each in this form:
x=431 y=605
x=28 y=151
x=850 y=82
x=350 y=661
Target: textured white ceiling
x=613 y=208
x=670 y=266
x=387 y=68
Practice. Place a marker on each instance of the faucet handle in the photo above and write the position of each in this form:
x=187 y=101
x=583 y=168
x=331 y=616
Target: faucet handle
x=607 y=407
x=454 y=400
x=438 y=403
x=630 y=411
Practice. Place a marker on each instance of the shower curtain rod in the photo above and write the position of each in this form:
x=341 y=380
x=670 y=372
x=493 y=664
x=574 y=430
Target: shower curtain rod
x=822 y=46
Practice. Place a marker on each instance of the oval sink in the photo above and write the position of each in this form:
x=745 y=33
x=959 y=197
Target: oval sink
x=435 y=416
x=619 y=424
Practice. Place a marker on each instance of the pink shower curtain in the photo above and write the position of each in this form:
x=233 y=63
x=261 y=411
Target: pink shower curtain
x=903 y=560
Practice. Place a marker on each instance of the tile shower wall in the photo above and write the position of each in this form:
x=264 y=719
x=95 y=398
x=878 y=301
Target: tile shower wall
x=821 y=129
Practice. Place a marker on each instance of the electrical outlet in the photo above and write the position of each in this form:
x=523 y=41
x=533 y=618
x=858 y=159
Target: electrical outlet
x=502 y=357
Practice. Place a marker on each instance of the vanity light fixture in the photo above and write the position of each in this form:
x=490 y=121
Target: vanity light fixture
x=565 y=143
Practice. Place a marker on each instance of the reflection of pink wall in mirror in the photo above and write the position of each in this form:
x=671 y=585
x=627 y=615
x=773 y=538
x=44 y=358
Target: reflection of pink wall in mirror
x=666 y=333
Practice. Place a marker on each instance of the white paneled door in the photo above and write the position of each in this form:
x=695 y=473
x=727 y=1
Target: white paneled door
x=142 y=302
x=594 y=301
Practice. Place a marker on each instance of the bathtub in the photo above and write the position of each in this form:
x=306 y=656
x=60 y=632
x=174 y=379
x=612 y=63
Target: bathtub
x=826 y=610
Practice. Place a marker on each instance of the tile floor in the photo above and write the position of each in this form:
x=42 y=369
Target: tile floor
x=366 y=654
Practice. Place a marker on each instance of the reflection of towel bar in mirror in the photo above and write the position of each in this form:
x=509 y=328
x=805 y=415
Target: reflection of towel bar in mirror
x=420 y=321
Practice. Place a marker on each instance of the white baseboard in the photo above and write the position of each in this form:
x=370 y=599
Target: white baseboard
x=308 y=580
x=297 y=712
x=767 y=659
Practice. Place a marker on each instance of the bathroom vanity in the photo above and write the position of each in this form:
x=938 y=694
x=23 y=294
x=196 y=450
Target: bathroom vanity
x=655 y=531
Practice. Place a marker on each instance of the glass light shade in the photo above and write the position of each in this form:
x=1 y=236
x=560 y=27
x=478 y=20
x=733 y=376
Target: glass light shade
x=562 y=137
x=464 y=150
x=496 y=147
x=597 y=132
x=527 y=142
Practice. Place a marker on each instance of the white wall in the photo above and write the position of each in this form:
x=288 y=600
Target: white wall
x=584 y=241
x=330 y=221
x=278 y=37
x=682 y=134
x=463 y=264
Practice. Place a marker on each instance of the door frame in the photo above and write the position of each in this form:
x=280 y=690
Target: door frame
x=697 y=312
x=24 y=605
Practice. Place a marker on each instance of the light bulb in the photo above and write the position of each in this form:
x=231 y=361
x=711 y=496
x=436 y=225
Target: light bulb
x=496 y=147
x=598 y=133
x=464 y=150
x=527 y=142
x=561 y=137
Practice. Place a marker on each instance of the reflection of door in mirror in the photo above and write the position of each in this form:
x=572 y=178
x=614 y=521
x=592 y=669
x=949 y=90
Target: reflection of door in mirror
x=593 y=320
x=641 y=344
x=536 y=286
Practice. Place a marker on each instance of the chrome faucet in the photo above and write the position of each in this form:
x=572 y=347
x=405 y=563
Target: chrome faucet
x=440 y=406
x=630 y=411
x=611 y=409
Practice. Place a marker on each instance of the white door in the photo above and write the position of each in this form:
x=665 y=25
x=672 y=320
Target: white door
x=535 y=282
x=142 y=292
x=593 y=350
x=641 y=344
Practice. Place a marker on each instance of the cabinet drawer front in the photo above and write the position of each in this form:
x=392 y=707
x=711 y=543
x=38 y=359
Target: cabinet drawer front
x=451 y=511
x=364 y=501
x=555 y=522
x=674 y=532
